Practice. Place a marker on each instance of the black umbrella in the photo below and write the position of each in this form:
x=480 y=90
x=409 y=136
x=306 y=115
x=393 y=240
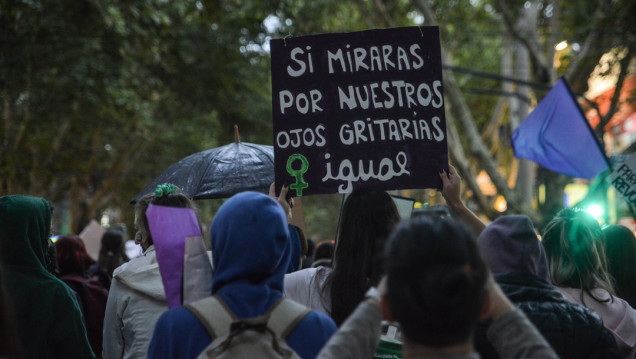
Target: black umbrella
x=220 y=172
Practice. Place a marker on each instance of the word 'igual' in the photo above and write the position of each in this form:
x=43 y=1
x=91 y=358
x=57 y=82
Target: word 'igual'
x=384 y=171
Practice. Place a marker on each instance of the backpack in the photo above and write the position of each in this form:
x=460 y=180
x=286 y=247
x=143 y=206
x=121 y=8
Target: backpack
x=93 y=297
x=262 y=336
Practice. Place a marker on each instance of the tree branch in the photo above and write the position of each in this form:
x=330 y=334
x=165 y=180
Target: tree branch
x=386 y=18
x=542 y=67
x=461 y=112
x=584 y=62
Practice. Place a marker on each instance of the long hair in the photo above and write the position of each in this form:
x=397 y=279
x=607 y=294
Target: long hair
x=368 y=217
x=167 y=195
x=112 y=252
x=72 y=257
x=436 y=280
x=620 y=247
x=573 y=242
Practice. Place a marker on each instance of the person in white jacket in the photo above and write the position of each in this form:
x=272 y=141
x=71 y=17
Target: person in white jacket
x=137 y=298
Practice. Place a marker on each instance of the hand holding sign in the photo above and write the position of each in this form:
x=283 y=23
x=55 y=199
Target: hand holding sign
x=451 y=192
x=282 y=199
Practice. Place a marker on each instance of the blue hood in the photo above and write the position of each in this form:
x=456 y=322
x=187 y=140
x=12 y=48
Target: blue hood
x=251 y=251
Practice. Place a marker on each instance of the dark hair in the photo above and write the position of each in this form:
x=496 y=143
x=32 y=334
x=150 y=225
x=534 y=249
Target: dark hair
x=573 y=242
x=436 y=280
x=620 y=248
x=112 y=252
x=324 y=250
x=72 y=257
x=175 y=198
x=368 y=217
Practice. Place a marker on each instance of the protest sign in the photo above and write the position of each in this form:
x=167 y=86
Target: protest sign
x=624 y=180
x=360 y=109
x=169 y=227
x=92 y=237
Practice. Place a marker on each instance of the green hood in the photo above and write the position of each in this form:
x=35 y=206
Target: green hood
x=47 y=316
x=25 y=225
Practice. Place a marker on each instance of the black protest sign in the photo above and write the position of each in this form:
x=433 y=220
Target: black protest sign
x=361 y=109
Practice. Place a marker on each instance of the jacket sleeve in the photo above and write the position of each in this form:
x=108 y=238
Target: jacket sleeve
x=112 y=335
x=358 y=336
x=602 y=344
x=513 y=336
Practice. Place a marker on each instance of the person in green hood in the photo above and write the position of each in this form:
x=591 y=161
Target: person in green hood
x=46 y=314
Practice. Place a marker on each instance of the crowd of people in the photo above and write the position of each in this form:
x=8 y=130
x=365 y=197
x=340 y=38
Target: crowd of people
x=452 y=285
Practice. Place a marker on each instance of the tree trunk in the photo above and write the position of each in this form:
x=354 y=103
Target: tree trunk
x=461 y=112
x=526 y=171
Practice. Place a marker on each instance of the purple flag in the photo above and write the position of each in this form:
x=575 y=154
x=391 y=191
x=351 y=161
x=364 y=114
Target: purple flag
x=169 y=227
x=558 y=137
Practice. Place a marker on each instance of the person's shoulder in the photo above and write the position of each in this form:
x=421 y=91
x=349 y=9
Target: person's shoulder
x=142 y=263
x=302 y=276
x=321 y=320
x=302 y=273
x=178 y=320
x=178 y=334
x=63 y=296
x=123 y=268
x=178 y=316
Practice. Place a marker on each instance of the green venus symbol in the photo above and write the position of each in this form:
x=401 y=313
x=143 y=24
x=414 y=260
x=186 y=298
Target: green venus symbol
x=298 y=174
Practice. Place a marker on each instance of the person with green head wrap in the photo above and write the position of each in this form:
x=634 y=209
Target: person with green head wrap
x=46 y=313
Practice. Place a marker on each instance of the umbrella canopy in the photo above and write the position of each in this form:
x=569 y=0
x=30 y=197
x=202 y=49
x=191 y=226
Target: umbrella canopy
x=220 y=172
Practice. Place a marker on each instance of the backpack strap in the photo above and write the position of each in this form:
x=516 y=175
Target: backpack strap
x=217 y=318
x=285 y=316
x=213 y=314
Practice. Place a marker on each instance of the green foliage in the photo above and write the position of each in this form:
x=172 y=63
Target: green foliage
x=98 y=97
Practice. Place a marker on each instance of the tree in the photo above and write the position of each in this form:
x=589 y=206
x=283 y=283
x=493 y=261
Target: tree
x=98 y=97
x=473 y=38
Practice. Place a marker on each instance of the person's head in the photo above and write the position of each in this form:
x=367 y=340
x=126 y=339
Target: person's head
x=573 y=242
x=112 y=252
x=167 y=195
x=324 y=254
x=620 y=247
x=510 y=245
x=25 y=228
x=250 y=243
x=436 y=281
x=368 y=216
x=72 y=257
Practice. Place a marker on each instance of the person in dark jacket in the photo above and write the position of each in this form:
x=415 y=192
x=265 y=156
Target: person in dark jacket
x=515 y=255
x=47 y=316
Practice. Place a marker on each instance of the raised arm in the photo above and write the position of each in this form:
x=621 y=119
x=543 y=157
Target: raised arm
x=359 y=335
x=451 y=191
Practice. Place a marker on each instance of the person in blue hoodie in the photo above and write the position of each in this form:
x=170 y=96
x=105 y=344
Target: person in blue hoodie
x=251 y=252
